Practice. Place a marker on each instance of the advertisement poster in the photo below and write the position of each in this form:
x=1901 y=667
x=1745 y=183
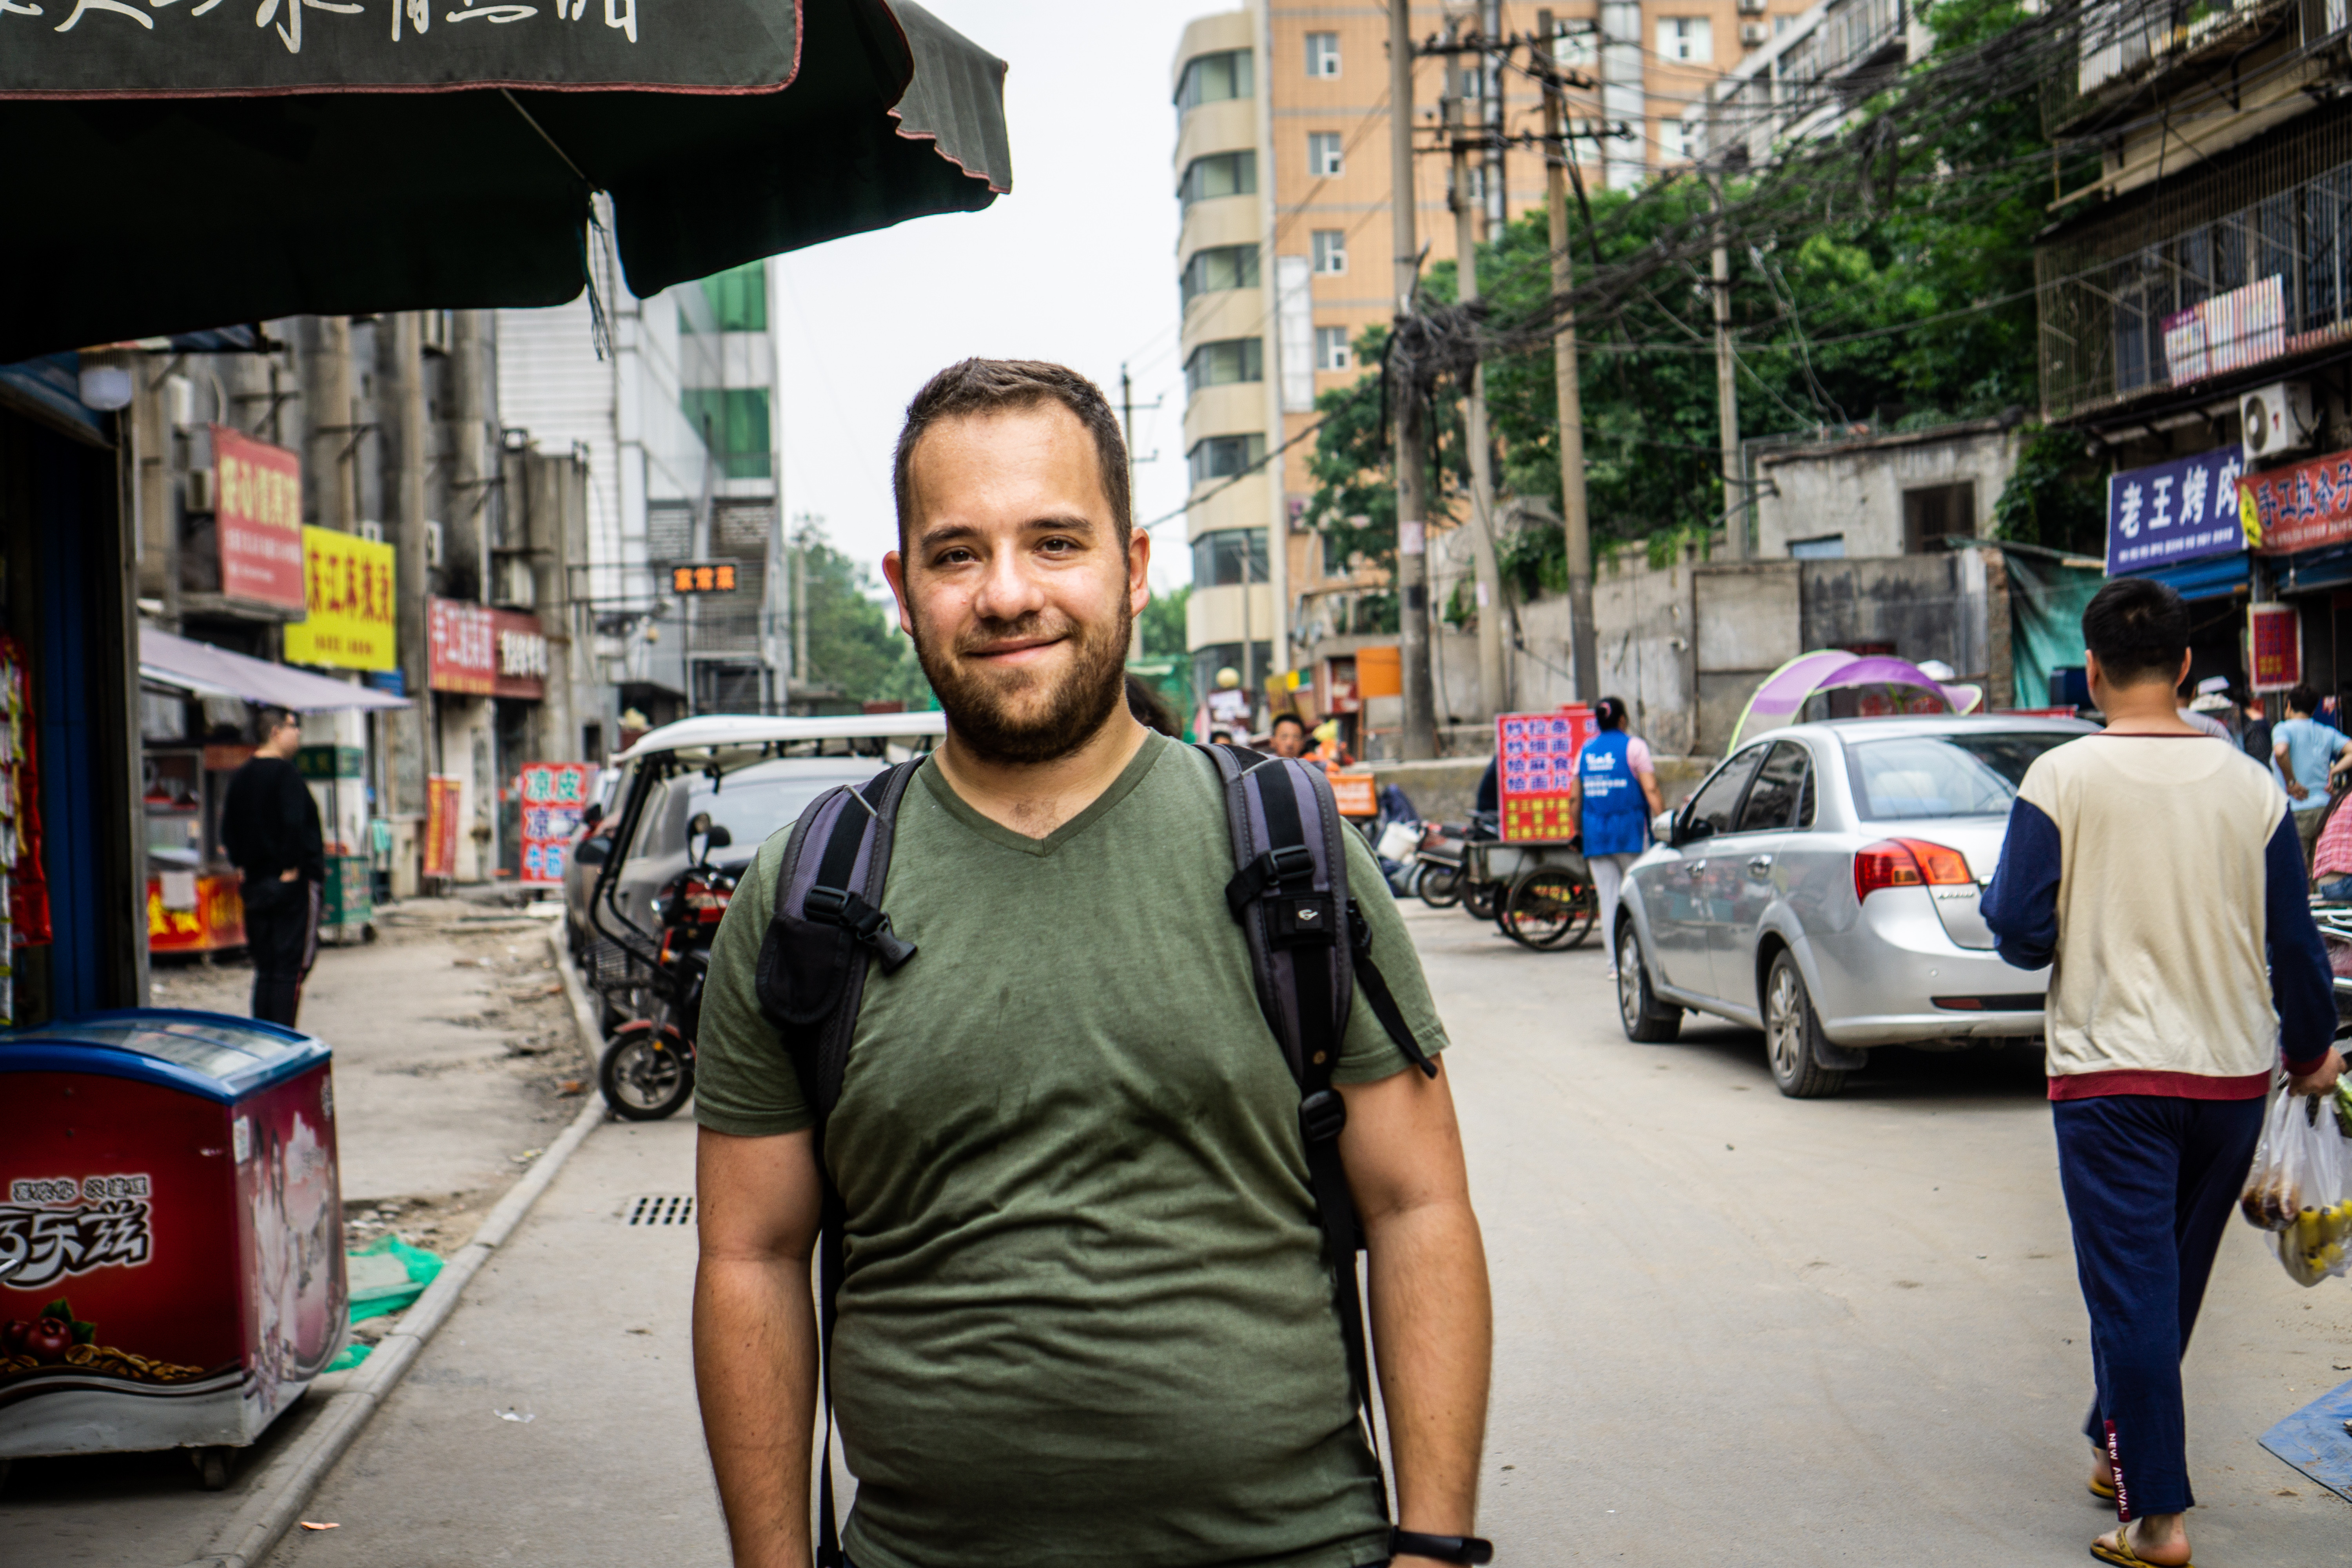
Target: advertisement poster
x=2274 y=647
x=553 y=794
x=2300 y=505
x=2182 y=510
x=1537 y=753
x=520 y=655
x=442 y=795
x=348 y=584
x=258 y=519
x=461 y=647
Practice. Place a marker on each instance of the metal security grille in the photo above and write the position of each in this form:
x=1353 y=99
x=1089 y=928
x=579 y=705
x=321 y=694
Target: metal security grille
x=661 y=1209
x=2112 y=290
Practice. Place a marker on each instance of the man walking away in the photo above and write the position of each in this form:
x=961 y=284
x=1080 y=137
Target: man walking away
x=2153 y=876
x=1085 y=1314
x=2306 y=755
x=270 y=825
x=2256 y=735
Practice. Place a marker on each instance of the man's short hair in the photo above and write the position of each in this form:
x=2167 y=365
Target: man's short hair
x=1001 y=385
x=2139 y=630
x=1282 y=718
x=2303 y=699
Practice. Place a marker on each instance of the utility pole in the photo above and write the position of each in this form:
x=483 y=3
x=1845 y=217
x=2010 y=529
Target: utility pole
x=412 y=441
x=1420 y=738
x=1726 y=389
x=1585 y=660
x=799 y=566
x=1493 y=695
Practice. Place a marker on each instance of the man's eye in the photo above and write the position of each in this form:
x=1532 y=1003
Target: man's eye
x=1058 y=546
x=955 y=557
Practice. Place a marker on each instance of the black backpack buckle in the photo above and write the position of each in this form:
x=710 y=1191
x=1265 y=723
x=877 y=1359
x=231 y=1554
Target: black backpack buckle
x=863 y=921
x=1269 y=873
x=1322 y=1115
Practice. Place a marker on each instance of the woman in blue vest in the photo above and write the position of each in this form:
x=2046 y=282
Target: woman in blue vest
x=1616 y=794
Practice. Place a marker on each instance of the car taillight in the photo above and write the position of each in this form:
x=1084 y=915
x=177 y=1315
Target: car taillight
x=707 y=901
x=1907 y=863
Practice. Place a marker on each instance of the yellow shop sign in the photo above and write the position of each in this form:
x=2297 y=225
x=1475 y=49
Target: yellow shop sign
x=348 y=585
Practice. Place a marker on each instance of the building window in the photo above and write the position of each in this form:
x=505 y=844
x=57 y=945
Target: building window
x=1673 y=142
x=1222 y=456
x=1331 y=350
x=1218 y=175
x=1574 y=45
x=1821 y=547
x=1220 y=266
x=1248 y=660
x=1323 y=155
x=733 y=422
x=1322 y=54
x=1330 y=250
x=1687 y=38
x=1229 y=557
x=1930 y=516
x=1228 y=360
x=1211 y=78
x=737 y=301
x=1780 y=25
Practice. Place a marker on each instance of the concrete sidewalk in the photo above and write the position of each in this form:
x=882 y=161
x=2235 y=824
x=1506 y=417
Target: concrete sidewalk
x=553 y=1420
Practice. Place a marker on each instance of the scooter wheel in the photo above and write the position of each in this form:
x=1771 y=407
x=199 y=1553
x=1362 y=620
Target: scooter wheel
x=1441 y=886
x=645 y=1076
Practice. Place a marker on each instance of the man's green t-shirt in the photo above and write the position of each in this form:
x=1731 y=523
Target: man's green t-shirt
x=1084 y=1318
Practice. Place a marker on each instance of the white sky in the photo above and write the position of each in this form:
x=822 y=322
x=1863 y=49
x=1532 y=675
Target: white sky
x=1075 y=265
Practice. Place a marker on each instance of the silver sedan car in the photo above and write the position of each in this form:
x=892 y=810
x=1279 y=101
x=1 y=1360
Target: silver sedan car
x=1822 y=886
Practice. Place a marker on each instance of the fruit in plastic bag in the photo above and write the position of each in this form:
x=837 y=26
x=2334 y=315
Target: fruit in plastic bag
x=2298 y=1188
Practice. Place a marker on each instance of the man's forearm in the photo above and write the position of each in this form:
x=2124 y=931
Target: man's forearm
x=1432 y=1331
x=755 y=1369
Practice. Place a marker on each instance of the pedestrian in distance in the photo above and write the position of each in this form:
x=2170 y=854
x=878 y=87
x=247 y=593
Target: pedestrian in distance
x=1288 y=737
x=1613 y=799
x=1071 y=1234
x=2306 y=757
x=2255 y=735
x=269 y=827
x=2152 y=877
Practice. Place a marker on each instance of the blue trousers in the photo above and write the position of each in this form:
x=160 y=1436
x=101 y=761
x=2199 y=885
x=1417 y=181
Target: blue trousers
x=2149 y=1183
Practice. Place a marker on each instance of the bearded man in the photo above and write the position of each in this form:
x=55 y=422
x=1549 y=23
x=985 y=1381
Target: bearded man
x=1084 y=1318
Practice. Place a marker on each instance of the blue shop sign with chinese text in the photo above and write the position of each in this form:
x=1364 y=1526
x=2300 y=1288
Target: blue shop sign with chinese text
x=2180 y=511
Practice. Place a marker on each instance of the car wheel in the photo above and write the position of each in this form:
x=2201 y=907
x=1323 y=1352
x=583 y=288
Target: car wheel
x=1646 y=1019
x=1791 y=1030
x=1441 y=886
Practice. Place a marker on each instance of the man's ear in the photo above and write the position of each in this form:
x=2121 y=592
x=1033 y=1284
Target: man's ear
x=1138 y=570
x=894 y=572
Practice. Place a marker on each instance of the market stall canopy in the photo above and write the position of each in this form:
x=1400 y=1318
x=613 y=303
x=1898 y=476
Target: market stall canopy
x=1905 y=687
x=181 y=165
x=201 y=669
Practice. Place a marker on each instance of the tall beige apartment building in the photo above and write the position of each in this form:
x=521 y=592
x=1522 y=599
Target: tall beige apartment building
x=1283 y=167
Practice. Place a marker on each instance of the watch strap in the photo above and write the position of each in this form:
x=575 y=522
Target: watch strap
x=1439 y=1548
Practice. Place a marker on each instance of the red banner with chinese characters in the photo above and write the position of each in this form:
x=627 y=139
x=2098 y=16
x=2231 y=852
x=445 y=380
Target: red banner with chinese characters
x=2274 y=647
x=2299 y=506
x=519 y=654
x=442 y=794
x=258 y=519
x=1536 y=769
x=553 y=796
x=461 y=647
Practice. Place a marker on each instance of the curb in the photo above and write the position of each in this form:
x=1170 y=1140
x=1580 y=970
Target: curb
x=282 y=1490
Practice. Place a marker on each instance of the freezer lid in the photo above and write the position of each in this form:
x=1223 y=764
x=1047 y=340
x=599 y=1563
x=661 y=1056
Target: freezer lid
x=207 y=1054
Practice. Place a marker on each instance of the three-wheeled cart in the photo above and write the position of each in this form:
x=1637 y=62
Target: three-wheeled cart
x=171 y=1232
x=1539 y=892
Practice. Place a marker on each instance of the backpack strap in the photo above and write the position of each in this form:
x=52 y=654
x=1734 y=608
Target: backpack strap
x=1289 y=893
x=811 y=973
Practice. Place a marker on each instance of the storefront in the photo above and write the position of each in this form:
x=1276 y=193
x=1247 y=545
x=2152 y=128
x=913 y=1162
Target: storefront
x=2179 y=523
x=488 y=673
x=71 y=820
x=2304 y=513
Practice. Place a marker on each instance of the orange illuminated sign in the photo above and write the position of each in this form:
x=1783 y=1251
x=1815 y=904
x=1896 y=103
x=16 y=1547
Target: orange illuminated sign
x=703 y=577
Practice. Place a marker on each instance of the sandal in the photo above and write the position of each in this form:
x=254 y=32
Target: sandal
x=2122 y=1554
x=2103 y=1491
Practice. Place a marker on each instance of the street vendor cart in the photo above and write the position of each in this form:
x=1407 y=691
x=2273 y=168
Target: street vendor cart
x=1533 y=879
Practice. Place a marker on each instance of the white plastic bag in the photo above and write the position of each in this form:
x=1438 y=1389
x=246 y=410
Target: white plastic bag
x=2297 y=1188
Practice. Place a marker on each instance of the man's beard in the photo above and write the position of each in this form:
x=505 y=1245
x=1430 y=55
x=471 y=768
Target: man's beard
x=983 y=706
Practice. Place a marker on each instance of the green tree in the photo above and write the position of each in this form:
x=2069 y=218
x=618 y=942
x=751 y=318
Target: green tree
x=855 y=644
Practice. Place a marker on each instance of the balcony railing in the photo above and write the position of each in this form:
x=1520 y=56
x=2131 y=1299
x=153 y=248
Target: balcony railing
x=2245 y=261
x=2122 y=52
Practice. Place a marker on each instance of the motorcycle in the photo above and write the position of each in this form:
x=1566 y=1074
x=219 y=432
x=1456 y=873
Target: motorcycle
x=648 y=1069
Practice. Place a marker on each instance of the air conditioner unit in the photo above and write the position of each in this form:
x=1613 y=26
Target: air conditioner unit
x=432 y=543
x=1751 y=7
x=2274 y=420
x=198 y=496
x=370 y=532
x=1754 y=34
x=436 y=331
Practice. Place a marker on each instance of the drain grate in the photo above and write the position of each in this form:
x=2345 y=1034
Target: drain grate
x=661 y=1209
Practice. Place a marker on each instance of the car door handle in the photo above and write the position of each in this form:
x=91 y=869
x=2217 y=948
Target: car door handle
x=1696 y=867
x=1759 y=865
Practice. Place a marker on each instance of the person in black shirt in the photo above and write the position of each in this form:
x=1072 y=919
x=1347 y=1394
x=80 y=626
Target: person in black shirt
x=270 y=825
x=2256 y=736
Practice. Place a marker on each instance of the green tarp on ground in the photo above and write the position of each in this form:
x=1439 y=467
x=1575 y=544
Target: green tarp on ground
x=385 y=1276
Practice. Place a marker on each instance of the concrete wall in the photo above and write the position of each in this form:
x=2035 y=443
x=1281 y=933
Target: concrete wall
x=1856 y=487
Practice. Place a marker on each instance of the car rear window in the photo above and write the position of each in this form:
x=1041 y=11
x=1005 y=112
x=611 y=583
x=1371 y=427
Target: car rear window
x=1969 y=775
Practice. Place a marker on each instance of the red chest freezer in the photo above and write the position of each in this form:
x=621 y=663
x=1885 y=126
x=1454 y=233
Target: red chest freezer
x=171 y=1230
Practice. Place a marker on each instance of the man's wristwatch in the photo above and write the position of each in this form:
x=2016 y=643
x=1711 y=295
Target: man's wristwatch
x=1440 y=1548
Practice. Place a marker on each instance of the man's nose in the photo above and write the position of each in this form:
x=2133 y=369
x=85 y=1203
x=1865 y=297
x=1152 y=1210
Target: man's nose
x=1008 y=592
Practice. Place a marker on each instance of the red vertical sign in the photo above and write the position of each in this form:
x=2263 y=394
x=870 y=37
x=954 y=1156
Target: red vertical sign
x=258 y=519
x=553 y=797
x=2275 y=651
x=442 y=793
x=1537 y=767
